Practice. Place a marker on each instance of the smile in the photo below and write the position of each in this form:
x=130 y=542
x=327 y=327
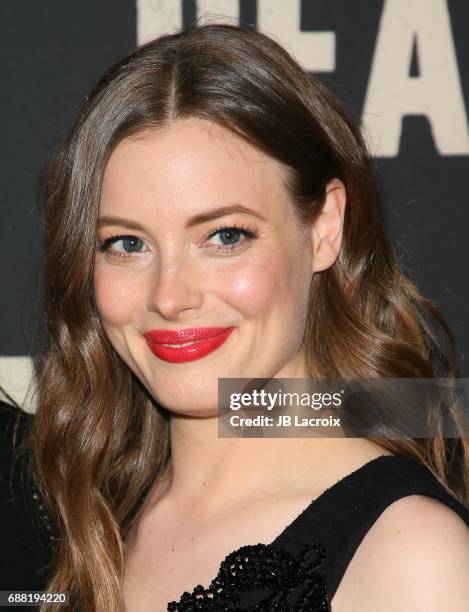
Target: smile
x=179 y=345
x=164 y=345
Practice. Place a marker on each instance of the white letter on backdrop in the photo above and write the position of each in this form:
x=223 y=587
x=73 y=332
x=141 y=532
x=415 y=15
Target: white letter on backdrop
x=315 y=51
x=435 y=93
x=222 y=8
x=156 y=17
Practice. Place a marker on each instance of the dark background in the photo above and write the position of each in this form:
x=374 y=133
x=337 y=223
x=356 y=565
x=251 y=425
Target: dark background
x=52 y=51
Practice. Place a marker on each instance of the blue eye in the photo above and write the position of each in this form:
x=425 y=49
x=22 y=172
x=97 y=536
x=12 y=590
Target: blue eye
x=122 y=246
x=229 y=237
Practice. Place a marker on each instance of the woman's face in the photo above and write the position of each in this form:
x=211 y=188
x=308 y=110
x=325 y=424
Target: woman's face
x=173 y=270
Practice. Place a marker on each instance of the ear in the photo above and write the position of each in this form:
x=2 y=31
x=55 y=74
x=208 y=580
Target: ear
x=326 y=231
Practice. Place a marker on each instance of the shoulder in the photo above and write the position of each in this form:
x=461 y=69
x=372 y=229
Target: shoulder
x=415 y=557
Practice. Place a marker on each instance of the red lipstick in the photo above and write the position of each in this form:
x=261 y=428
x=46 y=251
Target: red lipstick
x=203 y=340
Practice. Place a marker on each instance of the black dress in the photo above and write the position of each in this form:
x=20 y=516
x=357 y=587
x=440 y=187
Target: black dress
x=300 y=570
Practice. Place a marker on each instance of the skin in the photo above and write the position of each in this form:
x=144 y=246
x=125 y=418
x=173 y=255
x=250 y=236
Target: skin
x=178 y=278
x=415 y=557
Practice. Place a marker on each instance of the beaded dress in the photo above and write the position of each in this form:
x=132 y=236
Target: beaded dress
x=298 y=571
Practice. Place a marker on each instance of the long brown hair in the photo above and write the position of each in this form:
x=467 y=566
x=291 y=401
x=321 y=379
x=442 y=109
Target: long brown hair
x=99 y=439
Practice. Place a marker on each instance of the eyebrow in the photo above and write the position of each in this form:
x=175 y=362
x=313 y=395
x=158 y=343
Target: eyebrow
x=198 y=219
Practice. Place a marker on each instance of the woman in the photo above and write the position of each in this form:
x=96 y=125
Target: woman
x=210 y=189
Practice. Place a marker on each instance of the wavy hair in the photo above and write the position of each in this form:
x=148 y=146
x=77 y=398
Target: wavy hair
x=99 y=439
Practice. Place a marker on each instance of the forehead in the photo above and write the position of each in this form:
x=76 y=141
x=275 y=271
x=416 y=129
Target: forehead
x=191 y=161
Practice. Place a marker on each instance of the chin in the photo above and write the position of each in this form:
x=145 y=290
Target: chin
x=190 y=403
x=203 y=413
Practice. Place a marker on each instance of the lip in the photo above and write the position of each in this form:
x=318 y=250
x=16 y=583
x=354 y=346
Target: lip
x=205 y=339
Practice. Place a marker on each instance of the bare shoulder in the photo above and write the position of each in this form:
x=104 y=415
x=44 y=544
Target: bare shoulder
x=415 y=557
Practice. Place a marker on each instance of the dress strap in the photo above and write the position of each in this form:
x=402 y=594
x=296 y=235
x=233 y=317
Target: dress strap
x=341 y=516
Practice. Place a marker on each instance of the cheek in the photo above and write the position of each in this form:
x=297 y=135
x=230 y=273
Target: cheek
x=263 y=284
x=116 y=296
x=253 y=290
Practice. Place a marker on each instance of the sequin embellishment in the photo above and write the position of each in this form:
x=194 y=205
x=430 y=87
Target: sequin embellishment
x=41 y=512
x=261 y=578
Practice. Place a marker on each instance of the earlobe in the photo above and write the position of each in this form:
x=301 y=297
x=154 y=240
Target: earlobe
x=326 y=231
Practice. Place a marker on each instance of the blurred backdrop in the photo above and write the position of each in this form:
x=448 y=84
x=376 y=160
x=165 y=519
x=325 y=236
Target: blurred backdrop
x=402 y=66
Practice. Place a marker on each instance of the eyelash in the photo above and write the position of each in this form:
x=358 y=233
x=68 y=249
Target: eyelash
x=250 y=234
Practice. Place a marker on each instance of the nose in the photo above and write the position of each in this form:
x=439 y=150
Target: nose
x=176 y=289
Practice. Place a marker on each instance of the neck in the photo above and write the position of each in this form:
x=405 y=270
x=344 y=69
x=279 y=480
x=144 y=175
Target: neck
x=212 y=473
